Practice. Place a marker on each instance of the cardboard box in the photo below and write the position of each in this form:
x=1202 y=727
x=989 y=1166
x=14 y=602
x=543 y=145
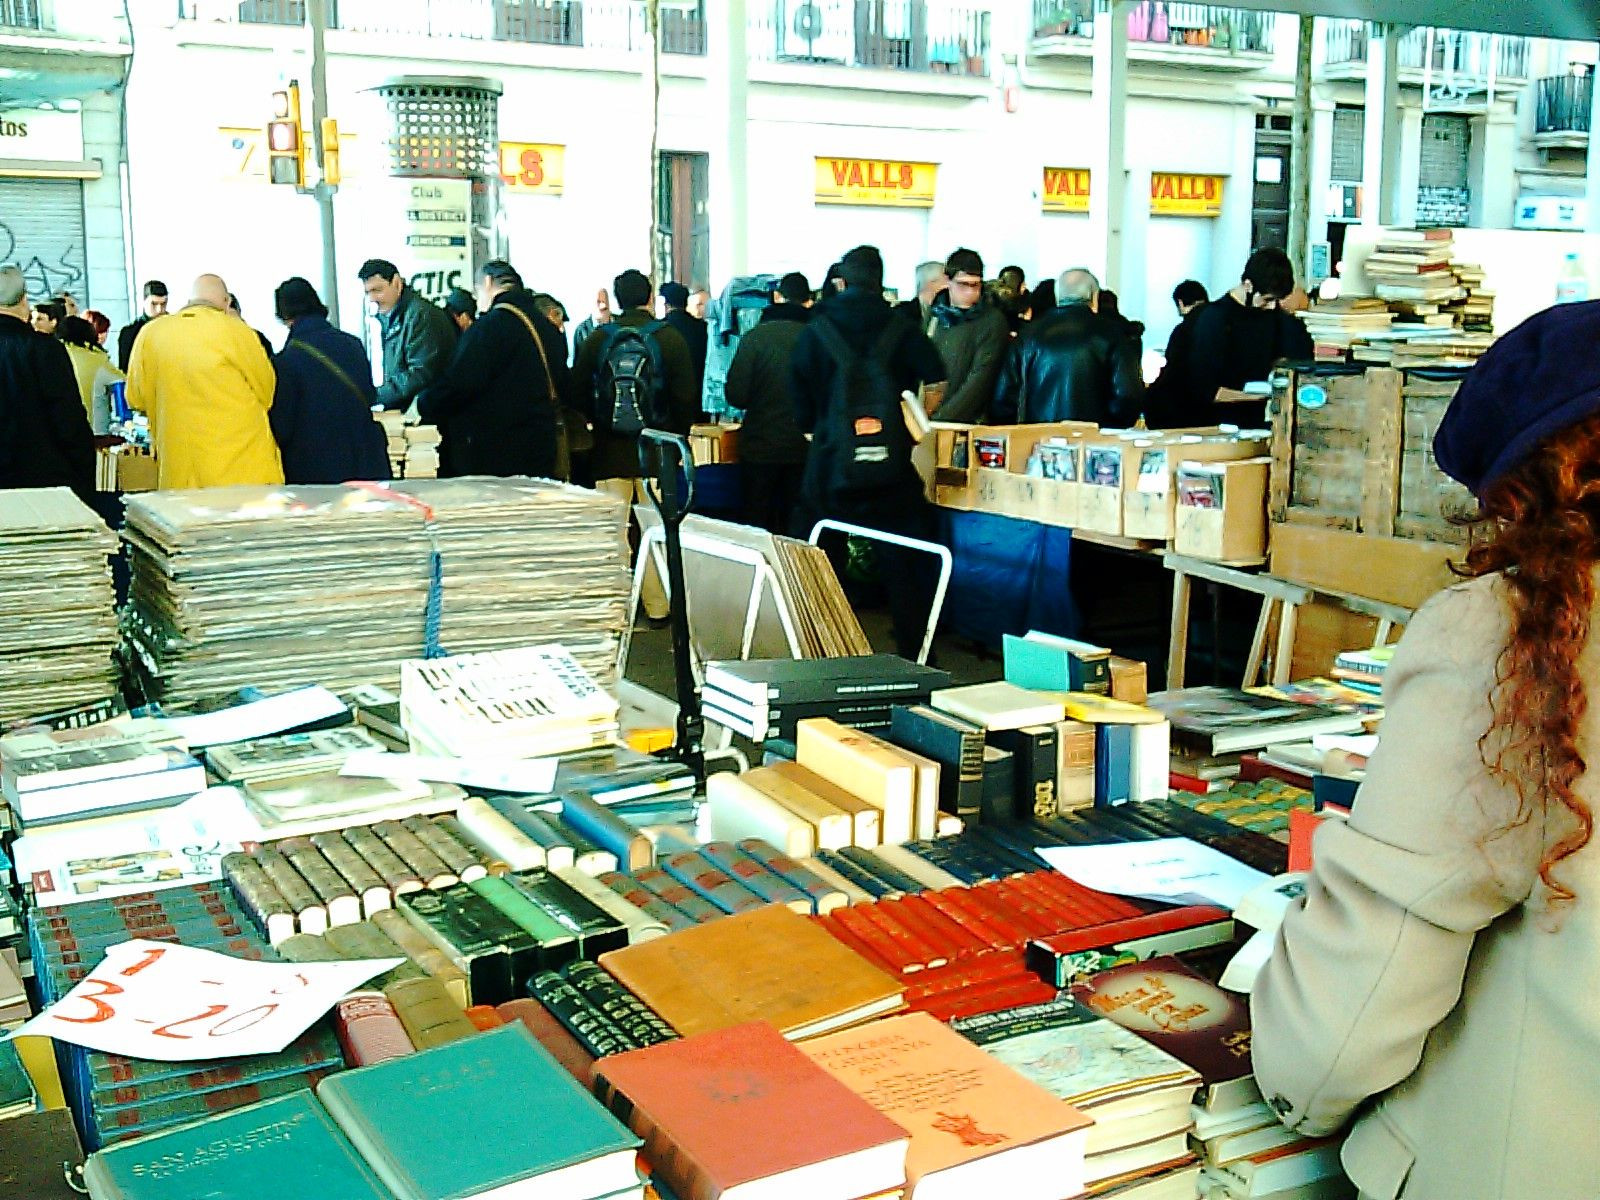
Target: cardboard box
x=1222 y=510
x=1150 y=501
x=1130 y=680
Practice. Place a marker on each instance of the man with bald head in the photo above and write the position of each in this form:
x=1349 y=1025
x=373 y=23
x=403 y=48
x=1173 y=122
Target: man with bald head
x=204 y=381
x=1072 y=363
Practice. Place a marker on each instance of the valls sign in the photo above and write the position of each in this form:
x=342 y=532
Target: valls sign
x=875 y=182
x=1066 y=189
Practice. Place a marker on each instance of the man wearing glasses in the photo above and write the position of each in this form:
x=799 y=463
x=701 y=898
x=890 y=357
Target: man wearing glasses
x=972 y=335
x=1241 y=336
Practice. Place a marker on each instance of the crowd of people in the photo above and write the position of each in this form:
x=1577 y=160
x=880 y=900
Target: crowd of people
x=818 y=381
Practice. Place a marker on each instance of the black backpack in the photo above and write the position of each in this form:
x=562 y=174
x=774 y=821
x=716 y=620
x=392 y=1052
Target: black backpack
x=632 y=380
x=873 y=450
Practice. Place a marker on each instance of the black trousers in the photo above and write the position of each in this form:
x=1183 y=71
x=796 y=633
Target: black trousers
x=771 y=491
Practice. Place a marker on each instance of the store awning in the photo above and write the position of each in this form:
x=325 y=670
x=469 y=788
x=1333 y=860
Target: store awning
x=1568 y=20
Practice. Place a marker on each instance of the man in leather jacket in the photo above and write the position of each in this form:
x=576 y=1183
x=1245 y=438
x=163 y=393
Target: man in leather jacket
x=1072 y=364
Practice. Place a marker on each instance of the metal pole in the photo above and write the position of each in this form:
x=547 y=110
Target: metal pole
x=1300 y=154
x=317 y=22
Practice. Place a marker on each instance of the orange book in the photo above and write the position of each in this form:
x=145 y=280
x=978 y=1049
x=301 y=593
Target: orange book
x=977 y=1127
x=767 y=965
x=866 y=766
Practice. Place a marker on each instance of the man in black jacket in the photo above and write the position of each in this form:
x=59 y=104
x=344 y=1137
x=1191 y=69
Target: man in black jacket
x=1166 y=400
x=321 y=412
x=1240 y=337
x=860 y=315
x=418 y=335
x=1072 y=364
x=496 y=402
x=972 y=336
x=46 y=439
x=691 y=329
x=155 y=305
x=772 y=450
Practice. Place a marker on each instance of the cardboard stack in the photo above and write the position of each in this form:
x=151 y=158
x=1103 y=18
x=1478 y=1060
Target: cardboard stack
x=58 y=622
x=422 y=453
x=274 y=586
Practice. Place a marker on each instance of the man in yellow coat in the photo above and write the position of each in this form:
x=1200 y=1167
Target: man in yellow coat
x=204 y=381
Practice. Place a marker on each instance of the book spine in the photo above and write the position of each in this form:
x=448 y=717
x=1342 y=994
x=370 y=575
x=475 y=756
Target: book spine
x=607 y=830
x=427 y=1012
x=1021 y=910
x=633 y=892
x=397 y=877
x=120 y=1079
x=632 y=1015
x=258 y=896
x=463 y=862
x=640 y=925
x=988 y=967
x=978 y=920
x=556 y=942
x=557 y=849
x=309 y=915
x=485 y=962
x=337 y=897
x=369 y=1029
x=355 y=871
x=552 y=1035
x=430 y=868
x=749 y=871
x=1012 y=844
x=365 y=940
x=306 y=947
x=960 y=941
x=595 y=1031
x=498 y=837
x=1113 y=765
x=880 y=868
x=947 y=855
x=682 y=897
x=914 y=919
x=425 y=954
x=599 y=929
x=823 y=897
x=484 y=1017
x=866 y=937
x=862 y=878
x=851 y=893
x=913 y=864
x=712 y=884
x=925 y=954
x=968 y=1002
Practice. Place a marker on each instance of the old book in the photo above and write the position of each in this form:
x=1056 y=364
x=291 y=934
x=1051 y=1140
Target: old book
x=594 y=929
x=1113 y=765
x=752 y=874
x=425 y=953
x=1075 y=766
x=337 y=896
x=866 y=820
x=760 y=682
x=396 y=875
x=955 y=744
x=866 y=766
x=977 y=1127
x=999 y=705
x=600 y=825
x=288 y=755
x=498 y=836
x=696 y=1127
x=290 y=1140
x=601 y=989
x=1135 y=1092
x=557 y=846
x=834 y=826
x=769 y=965
x=478 y=952
x=1036 y=753
x=711 y=882
x=740 y=810
x=429 y=867
x=428 y=1012
x=1047 y=663
x=373 y=893
x=412 y=1117
x=1189 y=1017
x=556 y=944
x=926 y=874
x=260 y=898
x=998 y=801
x=310 y=915
x=1221 y=720
x=550 y=1033
x=464 y=862
x=925 y=799
x=641 y=925
x=825 y=896
x=596 y=1032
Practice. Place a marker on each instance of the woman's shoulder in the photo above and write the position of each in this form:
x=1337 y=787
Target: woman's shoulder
x=1467 y=623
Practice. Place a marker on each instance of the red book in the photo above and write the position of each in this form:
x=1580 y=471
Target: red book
x=1253 y=770
x=987 y=998
x=742 y=1106
x=914 y=943
x=950 y=902
x=915 y=918
x=1092 y=905
x=484 y=1016
x=986 y=968
x=1017 y=905
x=1016 y=927
x=1302 y=827
x=951 y=932
x=845 y=938
x=368 y=1029
x=888 y=953
x=552 y=1035
x=1179 y=782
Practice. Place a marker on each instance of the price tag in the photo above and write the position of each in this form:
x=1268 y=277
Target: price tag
x=176 y=1003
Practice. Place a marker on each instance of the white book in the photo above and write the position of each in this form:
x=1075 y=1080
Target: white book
x=641 y=926
x=999 y=705
x=1152 y=761
x=181 y=778
x=498 y=836
x=739 y=811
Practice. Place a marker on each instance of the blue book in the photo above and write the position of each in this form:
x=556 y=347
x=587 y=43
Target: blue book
x=1045 y=663
x=478 y=1114
x=286 y=1146
x=1113 y=765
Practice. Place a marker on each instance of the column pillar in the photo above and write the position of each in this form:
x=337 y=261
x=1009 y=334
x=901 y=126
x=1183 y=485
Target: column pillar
x=1108 y=183
x=728 y=88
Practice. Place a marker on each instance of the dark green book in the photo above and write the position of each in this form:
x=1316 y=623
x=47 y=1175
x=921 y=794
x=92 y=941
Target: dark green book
x=477 y=913
x=605 y=992
x=286 y=1146
x=454 y=1121
x=597 y=1033
x=484 y=959
x=556 y=941
x=596 y=930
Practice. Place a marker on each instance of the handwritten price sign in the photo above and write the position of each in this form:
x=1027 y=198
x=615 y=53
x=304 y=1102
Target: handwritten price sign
x=176 y=1003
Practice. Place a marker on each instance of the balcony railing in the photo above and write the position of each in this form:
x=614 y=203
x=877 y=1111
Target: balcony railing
x=1564 y=104
x=1159 y=23
x=20 y=14
x=906 y=35
x=1454 y=53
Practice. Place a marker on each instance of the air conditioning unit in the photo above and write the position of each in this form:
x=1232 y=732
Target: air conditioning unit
x=815 y=30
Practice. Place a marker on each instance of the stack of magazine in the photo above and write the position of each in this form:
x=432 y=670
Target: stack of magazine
x=276 y=586
x=58 y=625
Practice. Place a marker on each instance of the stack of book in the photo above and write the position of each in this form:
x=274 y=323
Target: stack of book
x=524 y=703
x=333 y=584
x=288 y=756
x=422 y=453
x=393 y=423
x=1214 y=727
x=54 y=779
x=58 y=621
x=767 y=698
x=1474 y=314
x=1363 y=670
x=1413 y=266
x=1339 y=324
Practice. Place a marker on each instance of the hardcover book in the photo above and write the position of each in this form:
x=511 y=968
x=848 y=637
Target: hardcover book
x=1225 y=720
x=436 y=1125
x=702 y=1105
x=760 y=682
x=768 y=965
x=977 y=1127
x=866 y=820
x=866 y=766
x=1000 y=705
x=955 y=744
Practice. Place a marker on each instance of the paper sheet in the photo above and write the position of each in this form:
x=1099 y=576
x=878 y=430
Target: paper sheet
x=1171 y=870
x=527 y=775
x=178 y=1003
x=259 y=718
x=1241 y=971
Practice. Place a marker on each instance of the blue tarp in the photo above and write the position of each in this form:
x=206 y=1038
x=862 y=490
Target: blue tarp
x=1007 y=576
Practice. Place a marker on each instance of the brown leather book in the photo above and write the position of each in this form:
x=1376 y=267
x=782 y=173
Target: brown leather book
x=552 y=1035
x=768 y=965
x=430 y=1016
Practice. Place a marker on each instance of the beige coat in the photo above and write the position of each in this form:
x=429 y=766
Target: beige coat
x=1424 y=989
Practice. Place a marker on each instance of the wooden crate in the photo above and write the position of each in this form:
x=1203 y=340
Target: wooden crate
x=1353 y=450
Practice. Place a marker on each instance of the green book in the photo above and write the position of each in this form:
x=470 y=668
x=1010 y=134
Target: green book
x=474 y=912
x=287 y=1146
x=597 y=931
x=413 y=1117
x=557 y=943
x=483 y=959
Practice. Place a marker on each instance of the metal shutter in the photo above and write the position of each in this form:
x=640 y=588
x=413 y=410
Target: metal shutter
x=41 y=230
x=1349 y=125
x=1446 y=140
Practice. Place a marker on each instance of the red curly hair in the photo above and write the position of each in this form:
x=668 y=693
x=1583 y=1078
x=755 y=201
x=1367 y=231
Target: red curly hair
x=1542 y=523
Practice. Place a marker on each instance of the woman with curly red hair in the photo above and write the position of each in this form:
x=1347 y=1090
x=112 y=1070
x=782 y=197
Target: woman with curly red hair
x=1438 y=991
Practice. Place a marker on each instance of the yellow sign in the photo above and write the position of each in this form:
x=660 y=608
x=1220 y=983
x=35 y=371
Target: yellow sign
x=875 y=182
x=1066 y=190
x=533 y=168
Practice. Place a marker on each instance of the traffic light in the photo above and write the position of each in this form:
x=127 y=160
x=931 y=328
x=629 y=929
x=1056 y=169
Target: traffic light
x=286 y=146
x=332 y=175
